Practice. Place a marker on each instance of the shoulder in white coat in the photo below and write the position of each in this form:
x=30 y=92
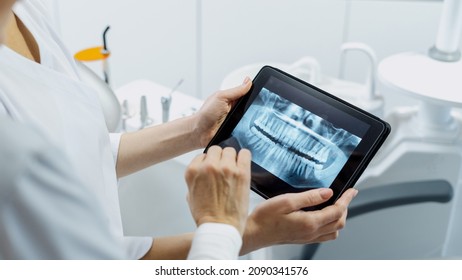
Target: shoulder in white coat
x=45 y=211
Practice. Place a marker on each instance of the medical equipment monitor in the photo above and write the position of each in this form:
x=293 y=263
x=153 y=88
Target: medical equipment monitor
x=300 y=136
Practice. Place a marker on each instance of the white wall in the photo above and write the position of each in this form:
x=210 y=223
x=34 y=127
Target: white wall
x=239 y=32
x=391 y=27
x=150 y=39
x=203 y=40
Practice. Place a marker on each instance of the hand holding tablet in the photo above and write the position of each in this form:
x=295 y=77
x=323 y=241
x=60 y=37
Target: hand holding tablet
x=300 y=136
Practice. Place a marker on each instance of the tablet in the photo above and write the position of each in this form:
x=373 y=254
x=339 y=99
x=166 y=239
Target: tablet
x=300 y=136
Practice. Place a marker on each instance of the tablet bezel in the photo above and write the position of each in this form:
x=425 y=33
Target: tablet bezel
x=327 y=106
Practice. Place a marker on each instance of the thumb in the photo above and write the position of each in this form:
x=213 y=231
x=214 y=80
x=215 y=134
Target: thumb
x=290 y=202
x=235 y=93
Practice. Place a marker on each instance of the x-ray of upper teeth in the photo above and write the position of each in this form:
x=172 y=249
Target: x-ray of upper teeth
x=292 y=143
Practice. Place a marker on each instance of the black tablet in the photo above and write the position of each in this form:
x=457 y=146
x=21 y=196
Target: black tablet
x=300 y=136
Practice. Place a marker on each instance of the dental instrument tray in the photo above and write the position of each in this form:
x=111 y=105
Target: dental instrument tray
x=300 y=136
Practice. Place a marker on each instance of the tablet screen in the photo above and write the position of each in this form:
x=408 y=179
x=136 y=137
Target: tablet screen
x=296 y=145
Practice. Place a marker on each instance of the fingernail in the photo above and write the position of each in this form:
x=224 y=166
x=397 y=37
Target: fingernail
x=246 y=80
x=325 y=193
x=355 y=193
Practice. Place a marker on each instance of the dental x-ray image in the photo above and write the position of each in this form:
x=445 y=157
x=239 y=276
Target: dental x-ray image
x=295 y=145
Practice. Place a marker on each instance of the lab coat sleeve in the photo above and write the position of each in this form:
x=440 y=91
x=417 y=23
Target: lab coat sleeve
x=214 y=241
x=115 y=143
x=4 y=102
x=2 y=109
x=42 y=7
x=45 y=212
x=137 y=246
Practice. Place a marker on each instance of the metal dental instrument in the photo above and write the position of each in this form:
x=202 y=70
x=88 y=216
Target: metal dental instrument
x=167 y=100
x=125 y=115
x=144 y=114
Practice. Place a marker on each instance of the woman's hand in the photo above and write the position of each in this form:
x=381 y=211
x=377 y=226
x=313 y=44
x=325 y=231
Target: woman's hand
x=219 y=184
x=214 y=111
x=280 y=220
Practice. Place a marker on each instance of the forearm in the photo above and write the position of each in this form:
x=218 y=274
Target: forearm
x=252 y=240
x=152 y=145
x=170 y=248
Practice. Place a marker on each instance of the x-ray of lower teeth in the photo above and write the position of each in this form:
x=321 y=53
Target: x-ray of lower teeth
x=292 y=143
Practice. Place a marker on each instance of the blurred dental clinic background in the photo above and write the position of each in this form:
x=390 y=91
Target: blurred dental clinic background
x=184 y=51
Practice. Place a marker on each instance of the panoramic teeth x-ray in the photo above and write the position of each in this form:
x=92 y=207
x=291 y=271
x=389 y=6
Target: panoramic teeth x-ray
x=292 y=143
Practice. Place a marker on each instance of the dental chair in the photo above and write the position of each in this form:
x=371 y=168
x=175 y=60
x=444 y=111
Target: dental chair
x=371 y=200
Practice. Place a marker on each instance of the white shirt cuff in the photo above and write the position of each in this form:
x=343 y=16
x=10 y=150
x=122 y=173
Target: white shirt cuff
x=214 y=241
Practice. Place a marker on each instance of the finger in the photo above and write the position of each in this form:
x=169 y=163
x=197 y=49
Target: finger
x=243 y=163
x=328 y=237
x=213 y=154
x=347 y=197
x=243 y=159
x=229 y=156
x=334 y=226
x=197 y=159
x=288 y=203
x=336 y=211
x=191 y=171
x=329 y=214
x=237 y=92
x=339 y=208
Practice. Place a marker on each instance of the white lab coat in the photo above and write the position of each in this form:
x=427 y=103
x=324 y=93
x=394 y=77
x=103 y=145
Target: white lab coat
x=51 y=96
x=37 y=181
